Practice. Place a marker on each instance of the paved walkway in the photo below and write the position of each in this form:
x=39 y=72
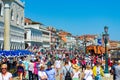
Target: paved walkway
x=57 y=78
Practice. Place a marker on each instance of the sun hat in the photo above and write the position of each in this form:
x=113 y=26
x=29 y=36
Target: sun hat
x=75 y=66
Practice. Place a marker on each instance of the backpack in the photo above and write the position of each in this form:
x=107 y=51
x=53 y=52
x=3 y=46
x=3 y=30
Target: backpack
x=68 y=75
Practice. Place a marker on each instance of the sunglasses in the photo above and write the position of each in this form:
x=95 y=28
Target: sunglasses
x=3 y=68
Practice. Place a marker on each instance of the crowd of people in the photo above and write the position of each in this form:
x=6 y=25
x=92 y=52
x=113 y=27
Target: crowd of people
x=58 y=65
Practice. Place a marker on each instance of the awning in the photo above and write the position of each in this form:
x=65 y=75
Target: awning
x=97 y=49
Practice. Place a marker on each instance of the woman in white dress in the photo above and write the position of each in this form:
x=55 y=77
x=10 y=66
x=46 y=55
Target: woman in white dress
x=88 y=73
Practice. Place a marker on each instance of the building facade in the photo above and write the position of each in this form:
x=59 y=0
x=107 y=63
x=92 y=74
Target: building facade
x=54 y=43
x=33 y=37
x=114 y=44
x=88 y=39
x=16 y=25
x=36 y=35
x=46 y=37
x=71 y=42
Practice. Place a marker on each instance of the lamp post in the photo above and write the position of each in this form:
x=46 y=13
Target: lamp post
x=105 y=38
x=7 y=4
x=77 y=42
x=85 y=43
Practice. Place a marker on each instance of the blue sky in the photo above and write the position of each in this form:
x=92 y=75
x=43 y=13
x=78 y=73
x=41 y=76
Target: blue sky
x=77 y=16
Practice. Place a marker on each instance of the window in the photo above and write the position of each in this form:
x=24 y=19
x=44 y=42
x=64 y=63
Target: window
x=12 y=15
x=1 y=9
x=17 y=19
x=22 y=21
x=25 y=35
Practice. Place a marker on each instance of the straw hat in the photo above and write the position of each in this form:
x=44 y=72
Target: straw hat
x=75 y=66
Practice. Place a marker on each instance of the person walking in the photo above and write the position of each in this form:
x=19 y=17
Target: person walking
x=51 y=73
x=41 y=73
x=31 y=69
x=20 y=70
x=5 y=75
x=88 y=73
x=117 y=71
x=113 y=69
x=98 y=71
x=83 y=63
x=66 y=72
x=26 y=65
x=76 y=72
x=35 y=72
x=58 y=64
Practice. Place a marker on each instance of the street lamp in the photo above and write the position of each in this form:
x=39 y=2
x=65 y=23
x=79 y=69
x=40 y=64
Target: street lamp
x=105 y=38
x=84 y=43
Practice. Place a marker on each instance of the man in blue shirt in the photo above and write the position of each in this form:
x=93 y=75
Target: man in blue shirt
x=113 y=69
x=51 y=73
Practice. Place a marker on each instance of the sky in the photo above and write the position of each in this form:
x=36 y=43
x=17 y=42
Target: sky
x=78 y=17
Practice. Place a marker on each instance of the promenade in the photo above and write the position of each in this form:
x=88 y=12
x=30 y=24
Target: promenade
x=58 y=78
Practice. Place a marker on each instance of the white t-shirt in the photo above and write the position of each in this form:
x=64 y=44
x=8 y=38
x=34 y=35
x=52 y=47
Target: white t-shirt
x=88 y=74
x=5 y=77
x=76 y=74
x=41 y=73
x=98 y=70
x=57 y=63
x=31 y=67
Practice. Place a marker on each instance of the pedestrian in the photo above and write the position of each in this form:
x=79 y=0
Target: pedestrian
x=5 y=75
x=98 y=71
x=58 y=64
x=35 y=72
x=76 y=72
x=113 y=69
x=88 y=73
x=83 y=63
x=26 y=65
x=66 y=72
x=20 y=70
x=117 y=71
x=41 y=73
x=31 y=69
x=51 y=73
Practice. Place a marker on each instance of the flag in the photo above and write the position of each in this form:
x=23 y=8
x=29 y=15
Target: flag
x=99 y=41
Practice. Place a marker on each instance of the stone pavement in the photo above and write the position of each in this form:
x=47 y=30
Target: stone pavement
x=57 y=78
